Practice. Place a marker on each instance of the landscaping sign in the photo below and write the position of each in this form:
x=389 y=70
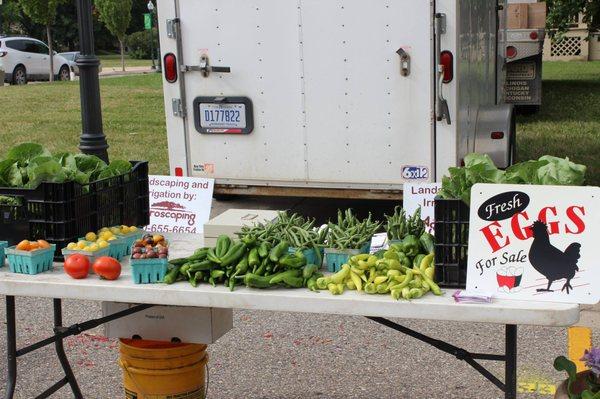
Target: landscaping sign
x=421 y=195
x=535 y=242
x=179 y=204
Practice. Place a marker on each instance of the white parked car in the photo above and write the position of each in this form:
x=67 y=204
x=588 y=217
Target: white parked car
x=25 y=59
x=1 y=77
x=71 y=57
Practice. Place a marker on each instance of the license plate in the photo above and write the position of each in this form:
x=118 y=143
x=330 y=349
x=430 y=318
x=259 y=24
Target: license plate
x=223 y=116
x=229 y=115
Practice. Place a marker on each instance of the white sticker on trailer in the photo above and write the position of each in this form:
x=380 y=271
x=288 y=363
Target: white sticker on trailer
x=410 y=172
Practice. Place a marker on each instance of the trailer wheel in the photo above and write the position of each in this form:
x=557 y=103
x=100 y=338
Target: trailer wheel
x=512 y=143
x=224 y=197
x=528 y=110
x=512 y=150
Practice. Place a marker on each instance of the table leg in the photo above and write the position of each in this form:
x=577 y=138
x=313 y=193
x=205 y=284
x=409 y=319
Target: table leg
x=60 y=351
x=511 y=362
x=11 y=347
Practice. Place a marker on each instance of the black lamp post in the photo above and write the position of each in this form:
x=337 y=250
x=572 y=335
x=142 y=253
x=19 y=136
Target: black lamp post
x=93 y=140
x=151 y=10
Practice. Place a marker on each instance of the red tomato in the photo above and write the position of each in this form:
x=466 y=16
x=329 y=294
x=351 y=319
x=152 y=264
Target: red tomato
x=77 y=266
x=107 y=268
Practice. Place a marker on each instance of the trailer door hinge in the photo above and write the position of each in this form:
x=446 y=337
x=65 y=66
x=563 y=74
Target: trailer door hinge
x=441 y=27
x=171 y=28
x=178 y=108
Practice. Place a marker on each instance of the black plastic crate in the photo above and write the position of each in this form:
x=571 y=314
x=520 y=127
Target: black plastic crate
x=63 y=212
x=451 y=242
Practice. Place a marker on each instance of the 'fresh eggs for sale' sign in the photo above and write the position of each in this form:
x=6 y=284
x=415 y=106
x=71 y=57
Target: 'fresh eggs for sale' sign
x=179 y=204
x=537 y=243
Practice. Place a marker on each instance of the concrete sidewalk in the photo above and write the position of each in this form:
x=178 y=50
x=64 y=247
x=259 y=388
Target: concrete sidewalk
x=590 y=317
x=116 y=71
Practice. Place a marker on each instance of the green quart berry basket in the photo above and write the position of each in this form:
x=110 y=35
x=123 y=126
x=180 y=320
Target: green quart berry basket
x=149 y=271
x=30 y=262
x=3 y=245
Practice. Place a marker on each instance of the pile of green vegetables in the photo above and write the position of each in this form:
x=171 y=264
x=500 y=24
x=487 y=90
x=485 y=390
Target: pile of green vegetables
x=262 y=259
x=479 y=168
x=350 y=232
x=299 y=231
x=405 y=271
x=253 y=263
x=29 y=164
x=399 y=225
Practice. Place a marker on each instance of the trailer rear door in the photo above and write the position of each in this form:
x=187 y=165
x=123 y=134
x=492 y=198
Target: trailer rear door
x=329 y=104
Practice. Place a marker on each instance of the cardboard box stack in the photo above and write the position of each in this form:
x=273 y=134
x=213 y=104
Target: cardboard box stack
x=526 y=16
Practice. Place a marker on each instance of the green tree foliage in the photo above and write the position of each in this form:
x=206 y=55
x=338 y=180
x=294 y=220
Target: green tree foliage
x=138 y=44
x=65 y=33
x=10 y=16
x=116 y=15
x=43 y=12
x=562 y=13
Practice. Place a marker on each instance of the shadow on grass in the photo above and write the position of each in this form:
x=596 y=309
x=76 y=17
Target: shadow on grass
x=568 y=125
x=568 y=100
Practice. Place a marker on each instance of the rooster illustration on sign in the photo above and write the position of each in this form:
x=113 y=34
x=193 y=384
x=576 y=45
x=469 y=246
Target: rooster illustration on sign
x=550 y=261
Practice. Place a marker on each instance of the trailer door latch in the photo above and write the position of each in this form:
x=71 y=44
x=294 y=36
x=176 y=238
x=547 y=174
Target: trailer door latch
x=404 y=62
x=205 y=68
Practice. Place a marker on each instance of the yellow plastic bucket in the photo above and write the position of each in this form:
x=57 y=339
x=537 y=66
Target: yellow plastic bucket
x=163 y=370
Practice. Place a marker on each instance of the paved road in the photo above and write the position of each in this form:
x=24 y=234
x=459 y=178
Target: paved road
x=283 y=355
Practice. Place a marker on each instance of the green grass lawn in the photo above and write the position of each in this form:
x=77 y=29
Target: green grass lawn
x=569 y=121
x=114 y=61
x=132 y=109
x=134 y=121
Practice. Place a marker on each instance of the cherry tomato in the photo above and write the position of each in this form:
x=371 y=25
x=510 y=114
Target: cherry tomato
x=43 y=244
x=107 y=268
x=24 y=245
x=77 y=266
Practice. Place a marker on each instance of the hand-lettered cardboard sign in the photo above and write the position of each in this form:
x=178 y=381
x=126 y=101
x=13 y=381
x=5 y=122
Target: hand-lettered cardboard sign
x=537 y=243
x=421 y=195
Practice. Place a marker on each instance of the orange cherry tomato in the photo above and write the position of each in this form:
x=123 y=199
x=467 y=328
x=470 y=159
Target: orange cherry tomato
x=43 y=244
x=24 y=245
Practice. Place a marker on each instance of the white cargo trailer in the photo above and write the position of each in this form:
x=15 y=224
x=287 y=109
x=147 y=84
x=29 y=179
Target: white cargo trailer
x=335 y=98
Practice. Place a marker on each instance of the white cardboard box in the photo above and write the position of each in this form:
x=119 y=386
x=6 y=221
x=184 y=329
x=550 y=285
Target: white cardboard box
x=232 y=220
x=163 y=323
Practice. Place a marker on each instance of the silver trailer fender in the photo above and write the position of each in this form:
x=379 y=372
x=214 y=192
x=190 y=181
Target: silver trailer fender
x=495 y=133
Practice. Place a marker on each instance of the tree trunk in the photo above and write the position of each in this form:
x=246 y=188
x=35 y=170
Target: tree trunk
x=122 y=54
x=49 y=35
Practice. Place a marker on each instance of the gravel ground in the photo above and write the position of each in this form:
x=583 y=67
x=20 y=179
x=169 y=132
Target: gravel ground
x=293 y=355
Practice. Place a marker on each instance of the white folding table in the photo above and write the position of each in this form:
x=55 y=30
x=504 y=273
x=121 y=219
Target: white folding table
x=379 y=308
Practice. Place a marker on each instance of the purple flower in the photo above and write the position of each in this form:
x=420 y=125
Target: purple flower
x=592 y=360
